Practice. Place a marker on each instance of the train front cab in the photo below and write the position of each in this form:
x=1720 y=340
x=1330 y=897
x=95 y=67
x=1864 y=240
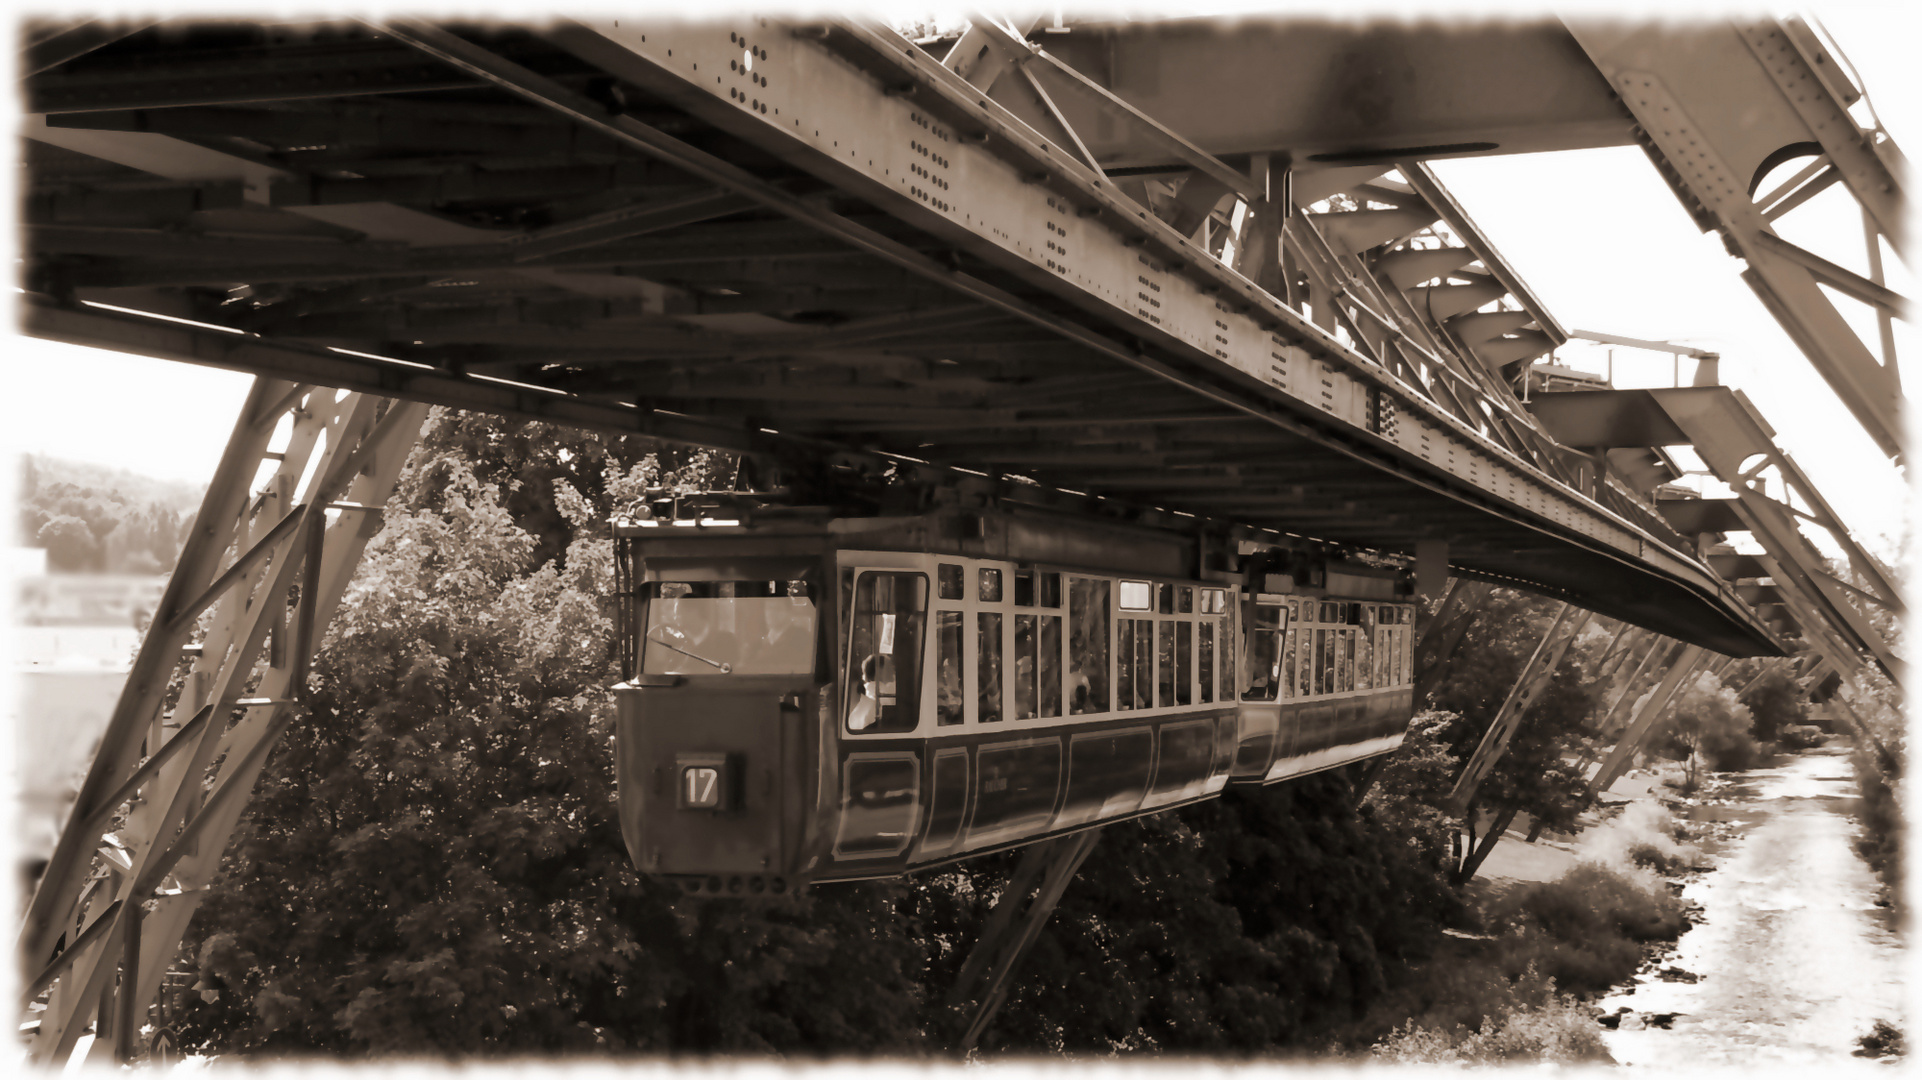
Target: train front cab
x=716 y=725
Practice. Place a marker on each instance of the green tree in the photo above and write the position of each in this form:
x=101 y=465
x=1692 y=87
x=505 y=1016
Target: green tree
x=434 y=862
x=1776 y=702
x=1537 y=774
x=70 y=544
x=1709 y=725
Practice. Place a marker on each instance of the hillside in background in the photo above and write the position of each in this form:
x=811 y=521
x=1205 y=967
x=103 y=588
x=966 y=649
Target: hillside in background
x=92 y=518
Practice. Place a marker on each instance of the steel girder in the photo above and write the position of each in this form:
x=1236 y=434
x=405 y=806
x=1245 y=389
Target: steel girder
x=1444 y=632
x=1718 y=106
x=1013 y=925
x=107 y=915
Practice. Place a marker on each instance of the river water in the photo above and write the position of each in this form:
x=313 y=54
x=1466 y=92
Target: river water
x=1796 y=960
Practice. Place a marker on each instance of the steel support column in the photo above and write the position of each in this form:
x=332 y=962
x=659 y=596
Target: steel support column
x=1541 y=666
x=1013 y=927
x=1444 y=633
x=136 y=893
x=1647 y=714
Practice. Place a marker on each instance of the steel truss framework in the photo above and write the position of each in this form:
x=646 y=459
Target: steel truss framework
x=845 y=249
x=295 y=499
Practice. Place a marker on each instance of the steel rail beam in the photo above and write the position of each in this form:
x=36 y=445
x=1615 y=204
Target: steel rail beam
x=325 y=71
x=74 y=42
x=1739 y=447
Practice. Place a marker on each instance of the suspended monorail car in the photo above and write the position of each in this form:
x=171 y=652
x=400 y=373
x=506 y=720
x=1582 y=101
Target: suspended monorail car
x=812 y=698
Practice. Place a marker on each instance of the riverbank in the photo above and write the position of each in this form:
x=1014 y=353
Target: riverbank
x=1736 y=925
x=1791 y=961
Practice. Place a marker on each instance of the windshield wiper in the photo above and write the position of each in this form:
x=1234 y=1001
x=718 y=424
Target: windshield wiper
x=726 y=669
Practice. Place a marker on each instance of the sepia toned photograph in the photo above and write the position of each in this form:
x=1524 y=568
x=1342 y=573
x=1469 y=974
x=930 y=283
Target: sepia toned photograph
x=661 y=537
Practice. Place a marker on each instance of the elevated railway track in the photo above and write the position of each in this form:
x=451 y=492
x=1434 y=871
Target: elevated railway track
x=836 y=245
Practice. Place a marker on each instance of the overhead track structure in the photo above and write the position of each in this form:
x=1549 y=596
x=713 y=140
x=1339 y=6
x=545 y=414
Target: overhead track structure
x=817 y=240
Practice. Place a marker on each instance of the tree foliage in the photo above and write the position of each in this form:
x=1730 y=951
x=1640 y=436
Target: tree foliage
x=92 y=520
x=1710 y=726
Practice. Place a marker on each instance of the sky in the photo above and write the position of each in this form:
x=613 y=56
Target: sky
x=1596 y=234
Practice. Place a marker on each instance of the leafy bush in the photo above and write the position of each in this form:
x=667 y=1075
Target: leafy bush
x=1650 y=857
x=1883 y=1040
x=1559 y=1031
x=1586 y=929
x=1643 y=835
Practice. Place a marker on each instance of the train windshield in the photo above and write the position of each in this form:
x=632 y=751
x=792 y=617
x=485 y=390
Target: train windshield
x=729 y=628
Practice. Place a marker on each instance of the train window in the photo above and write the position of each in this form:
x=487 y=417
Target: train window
x=1264 y=652
x=1135 y=595
x=1321 y=651
x=1017 y=786
x=1327 y=613
x=990 y=586
x=948 y=798
x=1050 y=586
x=1165 y=663
x=1365 y=656
x=1182 y=767
x=1206 y=644
x=884 y=660
x=1184 y=663
x=1136 y=682
x=988 y=667
x=949 y=694
x=1288 y=664
x=1144 y=664
x=1305 y=662
x=1230 y=647
x=950 y=577
x=1330 y=645
x=1165 y=599
x=729 y=628
x=1087 y=645
x=1048 y=665
x=1026 y=700
x=1184 y=599
x=1024 y=588
x=1107 y=775
x=1346 y=660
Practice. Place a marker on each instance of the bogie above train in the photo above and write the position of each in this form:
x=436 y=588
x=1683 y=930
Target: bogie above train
x=824 y=699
